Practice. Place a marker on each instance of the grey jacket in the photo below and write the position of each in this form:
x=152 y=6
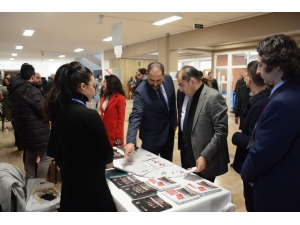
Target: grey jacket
x=12 y=182
x=209 y=132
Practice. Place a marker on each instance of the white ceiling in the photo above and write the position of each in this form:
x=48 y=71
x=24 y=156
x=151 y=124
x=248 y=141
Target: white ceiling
x=58 y=33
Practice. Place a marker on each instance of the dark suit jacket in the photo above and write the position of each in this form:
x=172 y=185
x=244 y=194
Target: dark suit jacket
x=251 y=115
x=209 y=132
x=150 y=115
x=273 y=163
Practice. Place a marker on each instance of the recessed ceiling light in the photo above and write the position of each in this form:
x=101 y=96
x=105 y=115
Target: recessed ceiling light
x=11 y=59
x=78 y=50
x=14 y=54
x=28 y=32
x=19 y=47
x=168 y=19
x=107 y=39
x=50 y=60
x=62 y=56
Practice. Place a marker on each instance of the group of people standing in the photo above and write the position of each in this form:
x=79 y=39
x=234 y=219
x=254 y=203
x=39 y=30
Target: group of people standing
x=81 y=140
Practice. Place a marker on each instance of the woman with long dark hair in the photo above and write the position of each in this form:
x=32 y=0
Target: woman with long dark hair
x=112 y=109
x=82 y=142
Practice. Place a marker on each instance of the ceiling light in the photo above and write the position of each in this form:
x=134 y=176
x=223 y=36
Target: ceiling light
x=253 y=53
x=62 y=56
x=168 y=19
x=14 y=54
x=19 y=47
x=28 y=32
x=11 y=59
x=50 y=60
x=107 y=39
x=78 y=50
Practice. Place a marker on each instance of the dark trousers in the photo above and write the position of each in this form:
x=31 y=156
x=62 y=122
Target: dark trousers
x=165 y=151
x=248 y=195
x=182 y=153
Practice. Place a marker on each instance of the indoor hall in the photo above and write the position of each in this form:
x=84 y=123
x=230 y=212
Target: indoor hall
x=230 y=181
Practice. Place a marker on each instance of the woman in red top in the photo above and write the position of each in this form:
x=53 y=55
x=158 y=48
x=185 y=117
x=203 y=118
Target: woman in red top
x=112 y=109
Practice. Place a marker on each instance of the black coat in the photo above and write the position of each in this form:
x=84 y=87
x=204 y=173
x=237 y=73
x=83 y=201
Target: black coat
x=33 y=133
x=251 y=115
x=85 y=151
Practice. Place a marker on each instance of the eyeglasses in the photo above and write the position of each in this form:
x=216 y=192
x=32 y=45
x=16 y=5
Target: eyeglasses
x=183 y=84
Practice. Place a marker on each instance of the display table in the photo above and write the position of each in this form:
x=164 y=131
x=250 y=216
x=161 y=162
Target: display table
x=217 y=202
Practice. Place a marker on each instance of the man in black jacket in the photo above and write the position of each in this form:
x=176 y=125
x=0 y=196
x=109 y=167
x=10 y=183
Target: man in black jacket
x=213 y=81
x=33 y=133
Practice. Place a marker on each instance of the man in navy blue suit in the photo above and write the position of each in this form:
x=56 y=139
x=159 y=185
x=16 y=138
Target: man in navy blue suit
x=153 y=114
x=272 y=165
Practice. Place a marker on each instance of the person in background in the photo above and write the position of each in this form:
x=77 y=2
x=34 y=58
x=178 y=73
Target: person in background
x=33 y=133
x=140 y=74
x=50 y=82
x=213 y=81
x=99 y=89
x=206 y=127
x=44 y=85
x=243 y=99
x=112 y=109
x=273 y=162
x=6 y=79
x=236 y=92
x=251 y=115
x=153 y=114
x=206 y=81
x=83 y=143
x=37 y=82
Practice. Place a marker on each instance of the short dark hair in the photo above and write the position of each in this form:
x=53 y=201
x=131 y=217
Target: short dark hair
x=188 y=72
x=142 y=71
x=156 y=64
x=201 y=74
x=27 y=71
x=280 y=50
x=251 y=72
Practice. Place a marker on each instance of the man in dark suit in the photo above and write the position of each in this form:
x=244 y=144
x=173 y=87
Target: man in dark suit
x=272 y=165
x=213 y=81
x=206 y=127
x=154 y=114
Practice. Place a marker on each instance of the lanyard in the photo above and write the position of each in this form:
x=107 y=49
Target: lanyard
x=79 y=101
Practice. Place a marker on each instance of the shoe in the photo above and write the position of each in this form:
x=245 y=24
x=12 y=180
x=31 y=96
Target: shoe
x=231 y=164
x=232 y=111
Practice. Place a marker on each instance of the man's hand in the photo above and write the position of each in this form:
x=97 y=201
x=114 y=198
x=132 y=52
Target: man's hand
x=110 y=165
x=129 y=150
x=236 y=120
x=200 y=164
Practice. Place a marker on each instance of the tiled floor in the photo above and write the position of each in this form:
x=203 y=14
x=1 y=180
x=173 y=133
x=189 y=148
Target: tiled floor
x=231 y=180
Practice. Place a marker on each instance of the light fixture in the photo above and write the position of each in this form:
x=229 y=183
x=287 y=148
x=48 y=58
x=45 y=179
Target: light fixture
x=11 y=59
x=107 y=39
x=253 y=53
x=14 y=54
x=19 y=47
x=28 y=32
x=62 y=56
x=78 y=50
x=168 y=19
x=50 y=60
